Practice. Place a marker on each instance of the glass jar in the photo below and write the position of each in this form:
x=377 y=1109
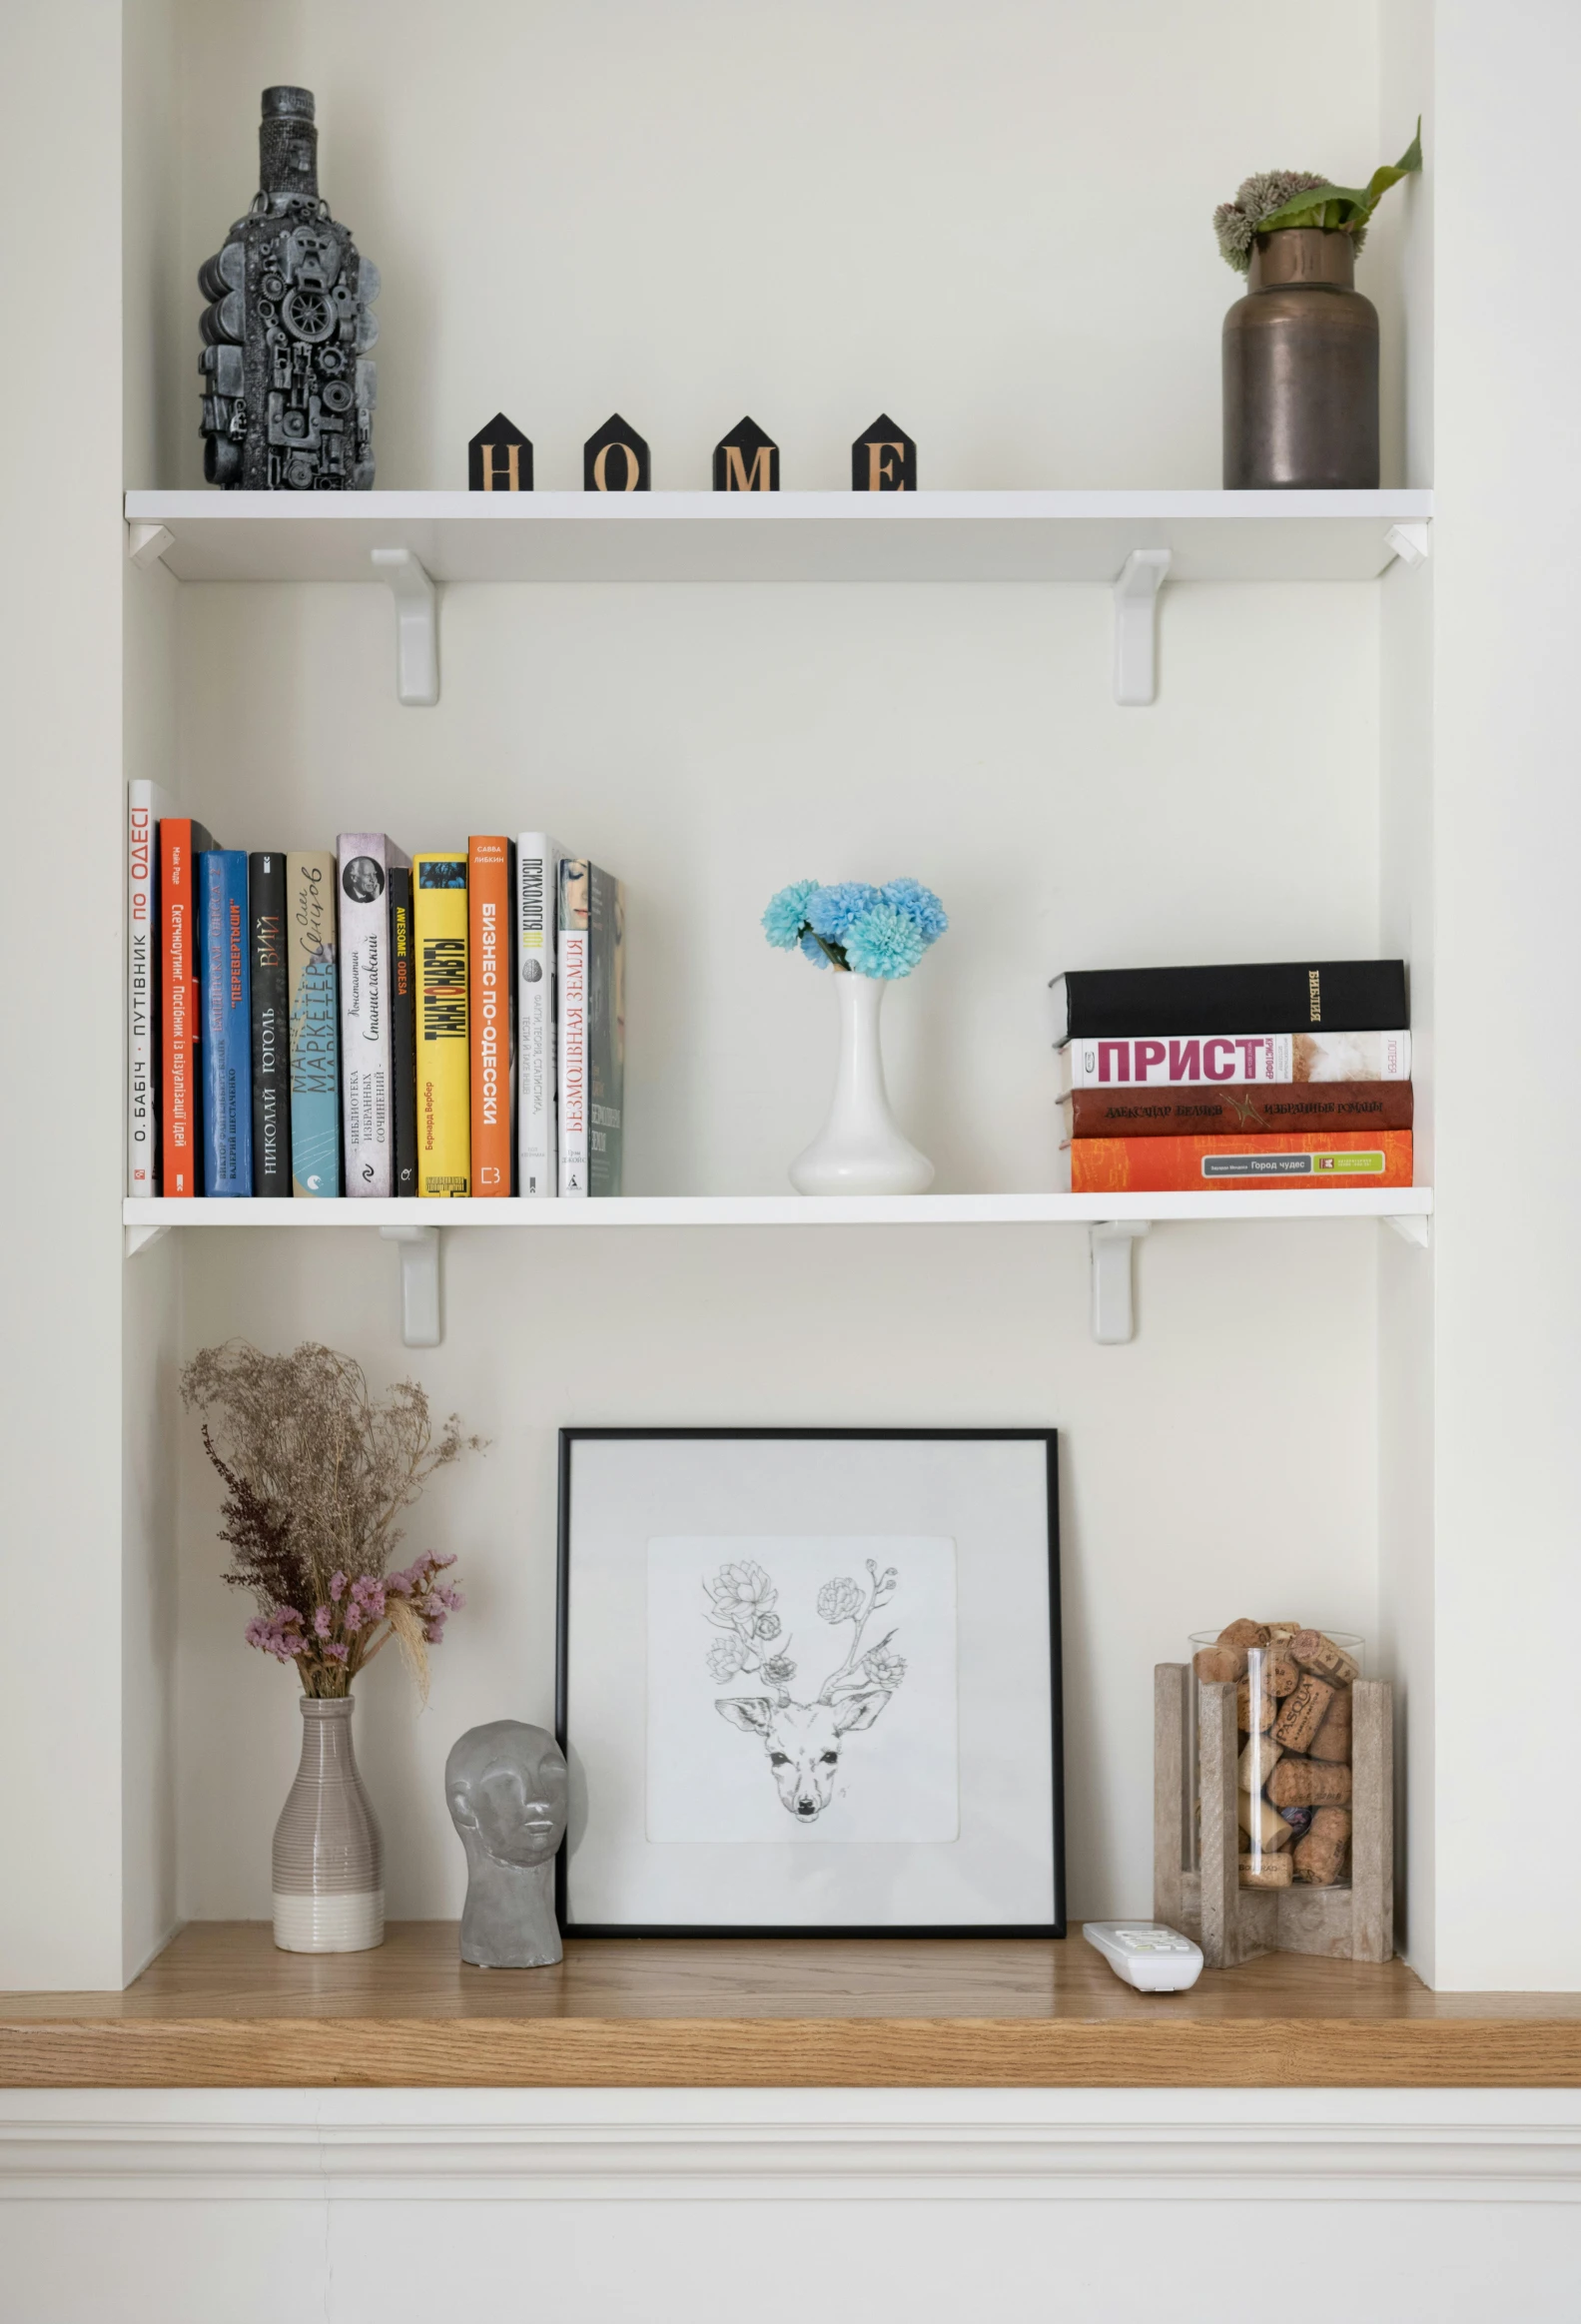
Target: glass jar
x=1292 y=1743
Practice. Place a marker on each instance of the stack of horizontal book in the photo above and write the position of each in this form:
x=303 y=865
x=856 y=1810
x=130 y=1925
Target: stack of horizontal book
x=368 y=1023
x=1288 y=1073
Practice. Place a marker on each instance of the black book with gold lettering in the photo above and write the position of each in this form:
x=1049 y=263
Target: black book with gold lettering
x=1267 y=996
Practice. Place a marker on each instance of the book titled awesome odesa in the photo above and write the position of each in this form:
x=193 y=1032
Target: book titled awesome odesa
x=1159 y=1092
x=311 y=1023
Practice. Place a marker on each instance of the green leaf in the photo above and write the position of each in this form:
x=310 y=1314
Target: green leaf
x=1345 y=206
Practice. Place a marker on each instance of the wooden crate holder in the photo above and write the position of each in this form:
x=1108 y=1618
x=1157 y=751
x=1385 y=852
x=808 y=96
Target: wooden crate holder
x=1233 y=1923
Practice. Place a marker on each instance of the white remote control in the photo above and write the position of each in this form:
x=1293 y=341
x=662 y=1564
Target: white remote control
x=1154 y=1959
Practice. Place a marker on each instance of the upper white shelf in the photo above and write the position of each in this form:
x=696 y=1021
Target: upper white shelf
x=783 y=537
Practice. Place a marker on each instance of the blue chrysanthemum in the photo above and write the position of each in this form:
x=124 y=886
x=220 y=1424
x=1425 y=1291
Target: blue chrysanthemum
x=814 y=951
x=785 y=915
x=831 y=911
x=919 y=904
x=884 y=943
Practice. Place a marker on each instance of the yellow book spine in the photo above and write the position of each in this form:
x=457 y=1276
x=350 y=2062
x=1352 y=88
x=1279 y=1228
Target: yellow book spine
x=439 y=919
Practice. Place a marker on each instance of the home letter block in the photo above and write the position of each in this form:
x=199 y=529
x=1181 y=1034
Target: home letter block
x=746 y=460
x=615 y=460
x=499 y=458
x=884 y=459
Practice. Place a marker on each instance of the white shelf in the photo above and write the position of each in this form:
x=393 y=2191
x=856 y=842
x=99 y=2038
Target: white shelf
x=782 y=536
x=799 y=1210
x=1115 y=1224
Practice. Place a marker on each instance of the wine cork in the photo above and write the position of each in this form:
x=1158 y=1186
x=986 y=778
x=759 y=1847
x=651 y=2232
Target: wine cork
x=1257 y=1761
x=1308 y=1783
x=1266 y=1871
x=1244 y=1633
x=1332 y=1740
x=1316 y=1653
x=1280 y=1673
x=1263 y=1826
x=1280 y=1633
x=1320 y=1856
x=1219 y=1665
x=1302 y=1714
x=1253 y=1711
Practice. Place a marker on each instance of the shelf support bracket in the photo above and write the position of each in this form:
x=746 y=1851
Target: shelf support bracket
x=416 y=626
x=141 y=1238
x=147 y=543
x=1413 y=1228
x=1112 y=1243
x=420 y=1282
x=1137 y=625
x=1411 y=543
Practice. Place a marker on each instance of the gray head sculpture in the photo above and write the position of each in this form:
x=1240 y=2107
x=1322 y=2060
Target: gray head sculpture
x=506 y=1785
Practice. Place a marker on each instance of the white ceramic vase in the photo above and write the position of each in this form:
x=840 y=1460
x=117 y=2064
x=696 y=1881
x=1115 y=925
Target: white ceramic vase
x=860 y=1149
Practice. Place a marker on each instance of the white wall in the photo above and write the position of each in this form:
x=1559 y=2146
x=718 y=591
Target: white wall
x=994 y=225
x=61 y=1165
x=1508 y=836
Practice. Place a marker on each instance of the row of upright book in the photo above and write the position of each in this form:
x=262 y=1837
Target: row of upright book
x=1161 y=1094
x=362 y=1022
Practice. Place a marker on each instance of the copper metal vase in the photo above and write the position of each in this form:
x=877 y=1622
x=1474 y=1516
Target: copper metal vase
x=1302 y=370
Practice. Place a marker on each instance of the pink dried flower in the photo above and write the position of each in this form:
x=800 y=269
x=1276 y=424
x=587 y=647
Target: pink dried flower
x=336 y=1585
x=336 y=1652
x=323 y=1621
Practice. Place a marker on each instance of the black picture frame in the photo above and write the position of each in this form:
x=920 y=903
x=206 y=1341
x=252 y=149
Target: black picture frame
x=1048 y=1438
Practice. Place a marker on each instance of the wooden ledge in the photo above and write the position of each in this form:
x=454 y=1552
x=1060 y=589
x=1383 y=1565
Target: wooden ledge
x=221 y=2008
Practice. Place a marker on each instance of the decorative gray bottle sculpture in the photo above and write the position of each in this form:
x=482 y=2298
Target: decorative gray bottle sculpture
x=506 y=1789
x=329 y=1859
x=287 y=395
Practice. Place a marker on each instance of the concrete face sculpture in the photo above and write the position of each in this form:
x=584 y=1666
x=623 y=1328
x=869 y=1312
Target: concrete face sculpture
x=506 y=1785
x=288 y=393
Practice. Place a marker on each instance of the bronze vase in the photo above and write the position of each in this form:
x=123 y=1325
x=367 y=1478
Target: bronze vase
x=1302 y=370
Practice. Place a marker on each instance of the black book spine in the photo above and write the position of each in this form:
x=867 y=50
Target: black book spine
x=1269 y=997
x=265 y=906
x=403 y=1033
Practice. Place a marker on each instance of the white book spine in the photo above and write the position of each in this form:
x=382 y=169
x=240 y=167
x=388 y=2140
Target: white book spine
x=363 y=864
x=539 y=859
x=574 y=1144
x=1223 y=1060
x=147 y=807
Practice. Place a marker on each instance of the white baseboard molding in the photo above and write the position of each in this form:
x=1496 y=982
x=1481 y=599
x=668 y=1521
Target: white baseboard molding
x=1360 y=2146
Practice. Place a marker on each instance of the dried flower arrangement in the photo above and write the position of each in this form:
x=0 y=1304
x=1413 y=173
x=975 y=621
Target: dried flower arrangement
x=315 y=1473
x=878 y=932
x=1273 y=199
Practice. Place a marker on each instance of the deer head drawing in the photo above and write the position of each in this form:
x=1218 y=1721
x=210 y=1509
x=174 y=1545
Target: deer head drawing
x=803 y=1741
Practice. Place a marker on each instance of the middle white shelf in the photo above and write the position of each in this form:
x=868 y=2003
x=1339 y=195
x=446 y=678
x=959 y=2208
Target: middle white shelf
x=1115 y=1224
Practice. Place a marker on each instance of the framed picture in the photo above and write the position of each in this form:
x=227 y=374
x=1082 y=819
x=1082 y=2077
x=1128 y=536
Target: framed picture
x=809 y=1682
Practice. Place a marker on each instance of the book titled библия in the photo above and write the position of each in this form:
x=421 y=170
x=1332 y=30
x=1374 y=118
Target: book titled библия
x=1366 y=996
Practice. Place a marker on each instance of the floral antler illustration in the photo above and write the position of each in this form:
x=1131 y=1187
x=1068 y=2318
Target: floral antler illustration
x=741 y=1602
x=844 y=1601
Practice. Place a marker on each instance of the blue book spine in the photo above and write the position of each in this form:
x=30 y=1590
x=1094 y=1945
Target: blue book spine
x=226 y=1050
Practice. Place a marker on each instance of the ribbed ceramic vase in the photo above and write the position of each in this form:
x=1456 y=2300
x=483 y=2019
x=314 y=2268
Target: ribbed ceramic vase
x=860 y=1149
x=329 y=1859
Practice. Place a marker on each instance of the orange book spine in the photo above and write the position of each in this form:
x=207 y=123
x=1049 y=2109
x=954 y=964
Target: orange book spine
x=489 y=923
x=1204 y=1166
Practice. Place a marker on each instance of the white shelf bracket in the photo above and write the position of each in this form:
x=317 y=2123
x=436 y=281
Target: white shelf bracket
x=1414 y=1228
x=1113 y=1313
x=416 y=626
x=420 y=1280
x=147 y=543
x=1411 y=543
x=1137 y=626
x=138 y=1239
